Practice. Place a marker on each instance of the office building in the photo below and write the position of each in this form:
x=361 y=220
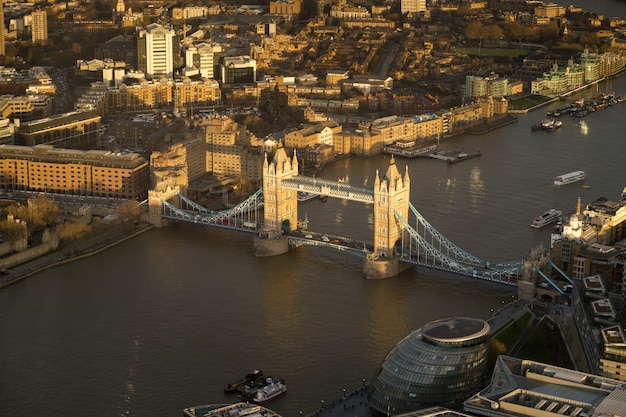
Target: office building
x=440 y=364
x=157 y=50
x=527 y=388
x=238 y=70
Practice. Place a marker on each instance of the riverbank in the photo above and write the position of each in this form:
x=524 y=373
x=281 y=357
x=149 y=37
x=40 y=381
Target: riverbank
x=73 y=252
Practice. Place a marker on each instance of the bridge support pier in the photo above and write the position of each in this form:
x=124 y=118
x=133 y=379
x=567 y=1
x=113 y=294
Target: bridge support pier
x=380 y=267
x=269 y=242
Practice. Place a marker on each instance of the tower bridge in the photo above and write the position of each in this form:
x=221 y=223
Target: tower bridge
x=403 y=238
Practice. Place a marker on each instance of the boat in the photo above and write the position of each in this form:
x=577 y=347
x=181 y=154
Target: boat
x=249 y=379
x=303 y=196
x=570 y=178
x=554 y=125
x=241 y=409
x=272 y=389
x=546 y=218
x=548 y=124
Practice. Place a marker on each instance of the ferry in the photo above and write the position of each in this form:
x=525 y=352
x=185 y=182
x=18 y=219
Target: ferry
x=272 y=389
x=241 y=409
x=570 y=178
x=546 y=218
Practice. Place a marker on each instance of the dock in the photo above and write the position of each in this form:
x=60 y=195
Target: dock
x=455 y=156
x=409 y=151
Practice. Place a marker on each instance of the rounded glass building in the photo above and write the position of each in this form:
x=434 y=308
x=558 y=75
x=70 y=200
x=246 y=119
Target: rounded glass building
x=440 y=364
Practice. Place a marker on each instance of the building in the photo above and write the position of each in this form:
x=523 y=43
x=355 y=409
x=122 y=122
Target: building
x=68 y=171
x=2 y=44
x=412 y=6
x=527 y=388
x=492 y=85
x=39 y=27
x=180 y=165
x=157 y=50
x=310 y=136
x=75 y=129
x=231 y=150
x=205 y=58
x=238 y=70
x=287 y=8
x=440 y=364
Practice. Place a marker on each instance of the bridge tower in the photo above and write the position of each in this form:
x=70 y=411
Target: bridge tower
x=155 y=203
x=392 y=192
x=280 y=212
x=280 y=204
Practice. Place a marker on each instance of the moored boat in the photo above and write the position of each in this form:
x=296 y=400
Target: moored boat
x=304 y=196
x=546 y=218
x=248 y=379
x=240 y=409
x=272 y=389
x=570 y=178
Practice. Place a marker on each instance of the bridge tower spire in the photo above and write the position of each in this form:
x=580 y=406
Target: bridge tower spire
x=392 y=192
x=281 y=204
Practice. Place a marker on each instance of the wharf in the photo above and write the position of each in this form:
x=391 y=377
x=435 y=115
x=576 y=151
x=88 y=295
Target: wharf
x=410 y=151
x=488 y=126
x=452 y=157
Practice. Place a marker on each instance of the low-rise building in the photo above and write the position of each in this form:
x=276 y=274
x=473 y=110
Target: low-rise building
x=75 y=129
x=69 y=171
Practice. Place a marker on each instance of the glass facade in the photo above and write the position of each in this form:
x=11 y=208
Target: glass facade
x=438 y=365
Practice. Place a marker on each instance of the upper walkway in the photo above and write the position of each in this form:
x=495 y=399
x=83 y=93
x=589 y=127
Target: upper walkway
x=337 y=189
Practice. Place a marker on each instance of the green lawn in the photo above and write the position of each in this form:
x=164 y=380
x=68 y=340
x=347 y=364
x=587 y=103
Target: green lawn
x=491 y=51
x=546 y=345
x=527 y=102
x=510 y=333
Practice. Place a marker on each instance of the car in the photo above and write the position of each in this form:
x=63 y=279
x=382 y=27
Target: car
x=325 y=239
x=308 y=236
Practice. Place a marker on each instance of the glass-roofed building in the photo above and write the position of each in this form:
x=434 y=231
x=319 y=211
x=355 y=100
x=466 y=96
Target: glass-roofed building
x=440 y=364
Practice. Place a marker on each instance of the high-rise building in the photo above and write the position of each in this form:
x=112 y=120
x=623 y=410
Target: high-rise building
x=238 y=70
x=39 y=28
x=205 y=57
x=157 y=50
x=2 y=48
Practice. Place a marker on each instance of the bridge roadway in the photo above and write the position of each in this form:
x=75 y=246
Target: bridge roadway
x=307 y=237
x=337 y=189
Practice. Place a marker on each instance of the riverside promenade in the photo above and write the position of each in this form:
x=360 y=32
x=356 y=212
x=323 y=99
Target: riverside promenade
x=72 y=252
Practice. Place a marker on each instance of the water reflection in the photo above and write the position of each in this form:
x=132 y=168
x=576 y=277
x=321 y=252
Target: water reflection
x=584 y=129
x=477 y=188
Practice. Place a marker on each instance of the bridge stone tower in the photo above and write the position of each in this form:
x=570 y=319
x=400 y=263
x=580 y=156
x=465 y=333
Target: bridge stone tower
x=392 y=192
x=155 y=205
x=280 y=204
x=280 y=211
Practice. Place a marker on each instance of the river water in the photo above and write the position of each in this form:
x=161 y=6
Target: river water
x=165 y=320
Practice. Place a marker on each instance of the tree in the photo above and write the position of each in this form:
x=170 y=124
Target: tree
x=70 y=231
x=130 y=211
x=474 y=30
x=38 y=214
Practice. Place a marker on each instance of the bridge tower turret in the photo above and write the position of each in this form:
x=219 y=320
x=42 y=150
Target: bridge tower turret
x=392 y=192
x=280 y=204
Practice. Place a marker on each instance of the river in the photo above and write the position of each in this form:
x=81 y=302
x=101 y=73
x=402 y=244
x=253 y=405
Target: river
x=165 y=320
